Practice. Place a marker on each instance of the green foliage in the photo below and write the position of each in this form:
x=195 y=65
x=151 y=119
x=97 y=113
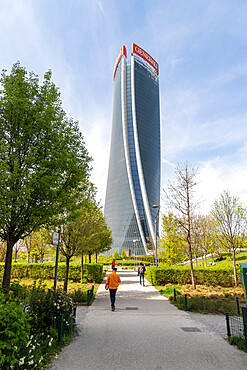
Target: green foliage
x=45 y=307
x=207 y=305
x=181 y=275
x=78 y=296
x=92 y=272
x=116 y=256
x=45 y=166
x=36 y=353
x=239 y=342
x=123 y=254
x=14 y=331
x=28 y=333
x=171 y=243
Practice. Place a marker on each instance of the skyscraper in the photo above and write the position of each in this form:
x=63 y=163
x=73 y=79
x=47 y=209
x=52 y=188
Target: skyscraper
x=133 y=184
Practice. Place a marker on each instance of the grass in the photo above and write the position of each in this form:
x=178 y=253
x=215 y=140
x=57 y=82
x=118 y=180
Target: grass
x=241 y=256
x=239 y=342
x=213 y=300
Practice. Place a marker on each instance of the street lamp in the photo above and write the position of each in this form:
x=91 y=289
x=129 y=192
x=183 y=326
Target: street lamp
x=156 y=217
x=135 y=241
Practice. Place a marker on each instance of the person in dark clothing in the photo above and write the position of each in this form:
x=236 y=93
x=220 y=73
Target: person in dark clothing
x=141 y=272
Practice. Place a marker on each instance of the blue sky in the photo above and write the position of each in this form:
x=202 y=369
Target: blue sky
x=201 y=48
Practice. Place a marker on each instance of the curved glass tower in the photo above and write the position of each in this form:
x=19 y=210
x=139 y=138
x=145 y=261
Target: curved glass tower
x=133 y=184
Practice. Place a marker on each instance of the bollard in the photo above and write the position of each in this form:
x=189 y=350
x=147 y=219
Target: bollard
x=244 y=313
x=185 y=302
x=60 y=329
x=175 y=297
x=238 y=309
x=228 y=325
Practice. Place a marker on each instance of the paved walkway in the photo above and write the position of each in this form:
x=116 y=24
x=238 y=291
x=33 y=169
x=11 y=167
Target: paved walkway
x=144 y=332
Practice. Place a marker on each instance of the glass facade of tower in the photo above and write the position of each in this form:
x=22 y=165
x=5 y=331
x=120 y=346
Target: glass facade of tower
x=133 y=184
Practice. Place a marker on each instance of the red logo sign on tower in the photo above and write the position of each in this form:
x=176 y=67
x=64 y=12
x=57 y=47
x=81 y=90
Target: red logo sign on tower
x=143 y=54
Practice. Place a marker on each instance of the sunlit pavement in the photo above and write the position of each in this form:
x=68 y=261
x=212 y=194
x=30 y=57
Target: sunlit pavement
x=144 y=332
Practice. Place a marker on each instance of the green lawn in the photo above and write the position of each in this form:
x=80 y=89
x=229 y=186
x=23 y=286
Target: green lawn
x=241 y=257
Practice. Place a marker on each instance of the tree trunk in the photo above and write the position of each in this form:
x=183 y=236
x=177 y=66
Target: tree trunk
x=66 y=277
x=205 y=257
x=82 y=267
x=89 y=258
x=16 y=253
x=8 y=263
x=191 y=264
x=96 y=257
x=234 y=267
x=196 y=262
x=28 y=256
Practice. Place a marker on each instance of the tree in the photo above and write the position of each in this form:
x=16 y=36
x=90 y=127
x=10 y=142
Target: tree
x=70 y=244
x=37 y=244
x=230 y=219
x=172 y=244
x=123 y=254
x=180 y=198
x=3 y=248
x=44 y=163
x=85 y=232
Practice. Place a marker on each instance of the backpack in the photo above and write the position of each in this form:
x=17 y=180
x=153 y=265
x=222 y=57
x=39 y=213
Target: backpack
x=141 y=270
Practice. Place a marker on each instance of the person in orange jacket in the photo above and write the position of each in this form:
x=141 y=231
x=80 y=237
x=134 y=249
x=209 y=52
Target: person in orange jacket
x=112 y=282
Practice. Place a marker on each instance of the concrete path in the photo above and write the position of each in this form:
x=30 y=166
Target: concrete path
x=144 y=332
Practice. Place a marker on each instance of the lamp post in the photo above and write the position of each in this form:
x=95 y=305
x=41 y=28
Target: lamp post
x=135 y=241
x=156 y=218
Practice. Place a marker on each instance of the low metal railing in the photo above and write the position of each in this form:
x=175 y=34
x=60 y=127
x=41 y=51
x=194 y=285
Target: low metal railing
x=66 y=323
x=236 y=327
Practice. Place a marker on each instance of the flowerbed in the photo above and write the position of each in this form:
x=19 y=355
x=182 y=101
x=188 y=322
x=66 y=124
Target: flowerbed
x=29 y=321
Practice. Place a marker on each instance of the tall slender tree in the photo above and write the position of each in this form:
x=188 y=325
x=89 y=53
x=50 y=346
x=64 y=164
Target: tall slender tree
x=230 y=220
x=180 y=198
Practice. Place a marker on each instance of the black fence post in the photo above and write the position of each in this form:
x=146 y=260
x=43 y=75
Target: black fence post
x=185 y=302
x=238 y=309
x=228 y=325
x=244 y=313
x=60 y=329
x=175 y=297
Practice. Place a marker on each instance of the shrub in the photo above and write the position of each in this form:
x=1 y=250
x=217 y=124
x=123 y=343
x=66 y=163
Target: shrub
x=181 y=275
x=79 y=296
x=14 y=331
x=93 y=273
x=45 y=307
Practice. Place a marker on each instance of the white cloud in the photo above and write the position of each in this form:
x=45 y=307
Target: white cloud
x=225 y=173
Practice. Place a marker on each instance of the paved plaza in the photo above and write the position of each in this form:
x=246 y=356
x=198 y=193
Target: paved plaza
x=144 y=332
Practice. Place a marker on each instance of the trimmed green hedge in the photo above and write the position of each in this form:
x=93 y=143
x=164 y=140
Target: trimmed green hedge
x=93 y=273
x=212 y=276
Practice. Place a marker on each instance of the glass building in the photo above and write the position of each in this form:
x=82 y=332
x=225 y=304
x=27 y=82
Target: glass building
x=133 y=184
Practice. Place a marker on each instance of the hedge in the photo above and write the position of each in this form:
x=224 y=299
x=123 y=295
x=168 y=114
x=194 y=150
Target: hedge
x=212 y=276
x=93 y=273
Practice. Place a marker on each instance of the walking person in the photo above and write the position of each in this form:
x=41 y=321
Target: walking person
x=112 y=282
x=113 y=264
x=141 y=272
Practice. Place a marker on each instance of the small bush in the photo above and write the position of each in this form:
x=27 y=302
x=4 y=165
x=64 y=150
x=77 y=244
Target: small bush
x=45 y=307
x=14 y=331
x=239 y=342
x=78 y=296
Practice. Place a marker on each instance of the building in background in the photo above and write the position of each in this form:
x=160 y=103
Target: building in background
x=133 y=184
